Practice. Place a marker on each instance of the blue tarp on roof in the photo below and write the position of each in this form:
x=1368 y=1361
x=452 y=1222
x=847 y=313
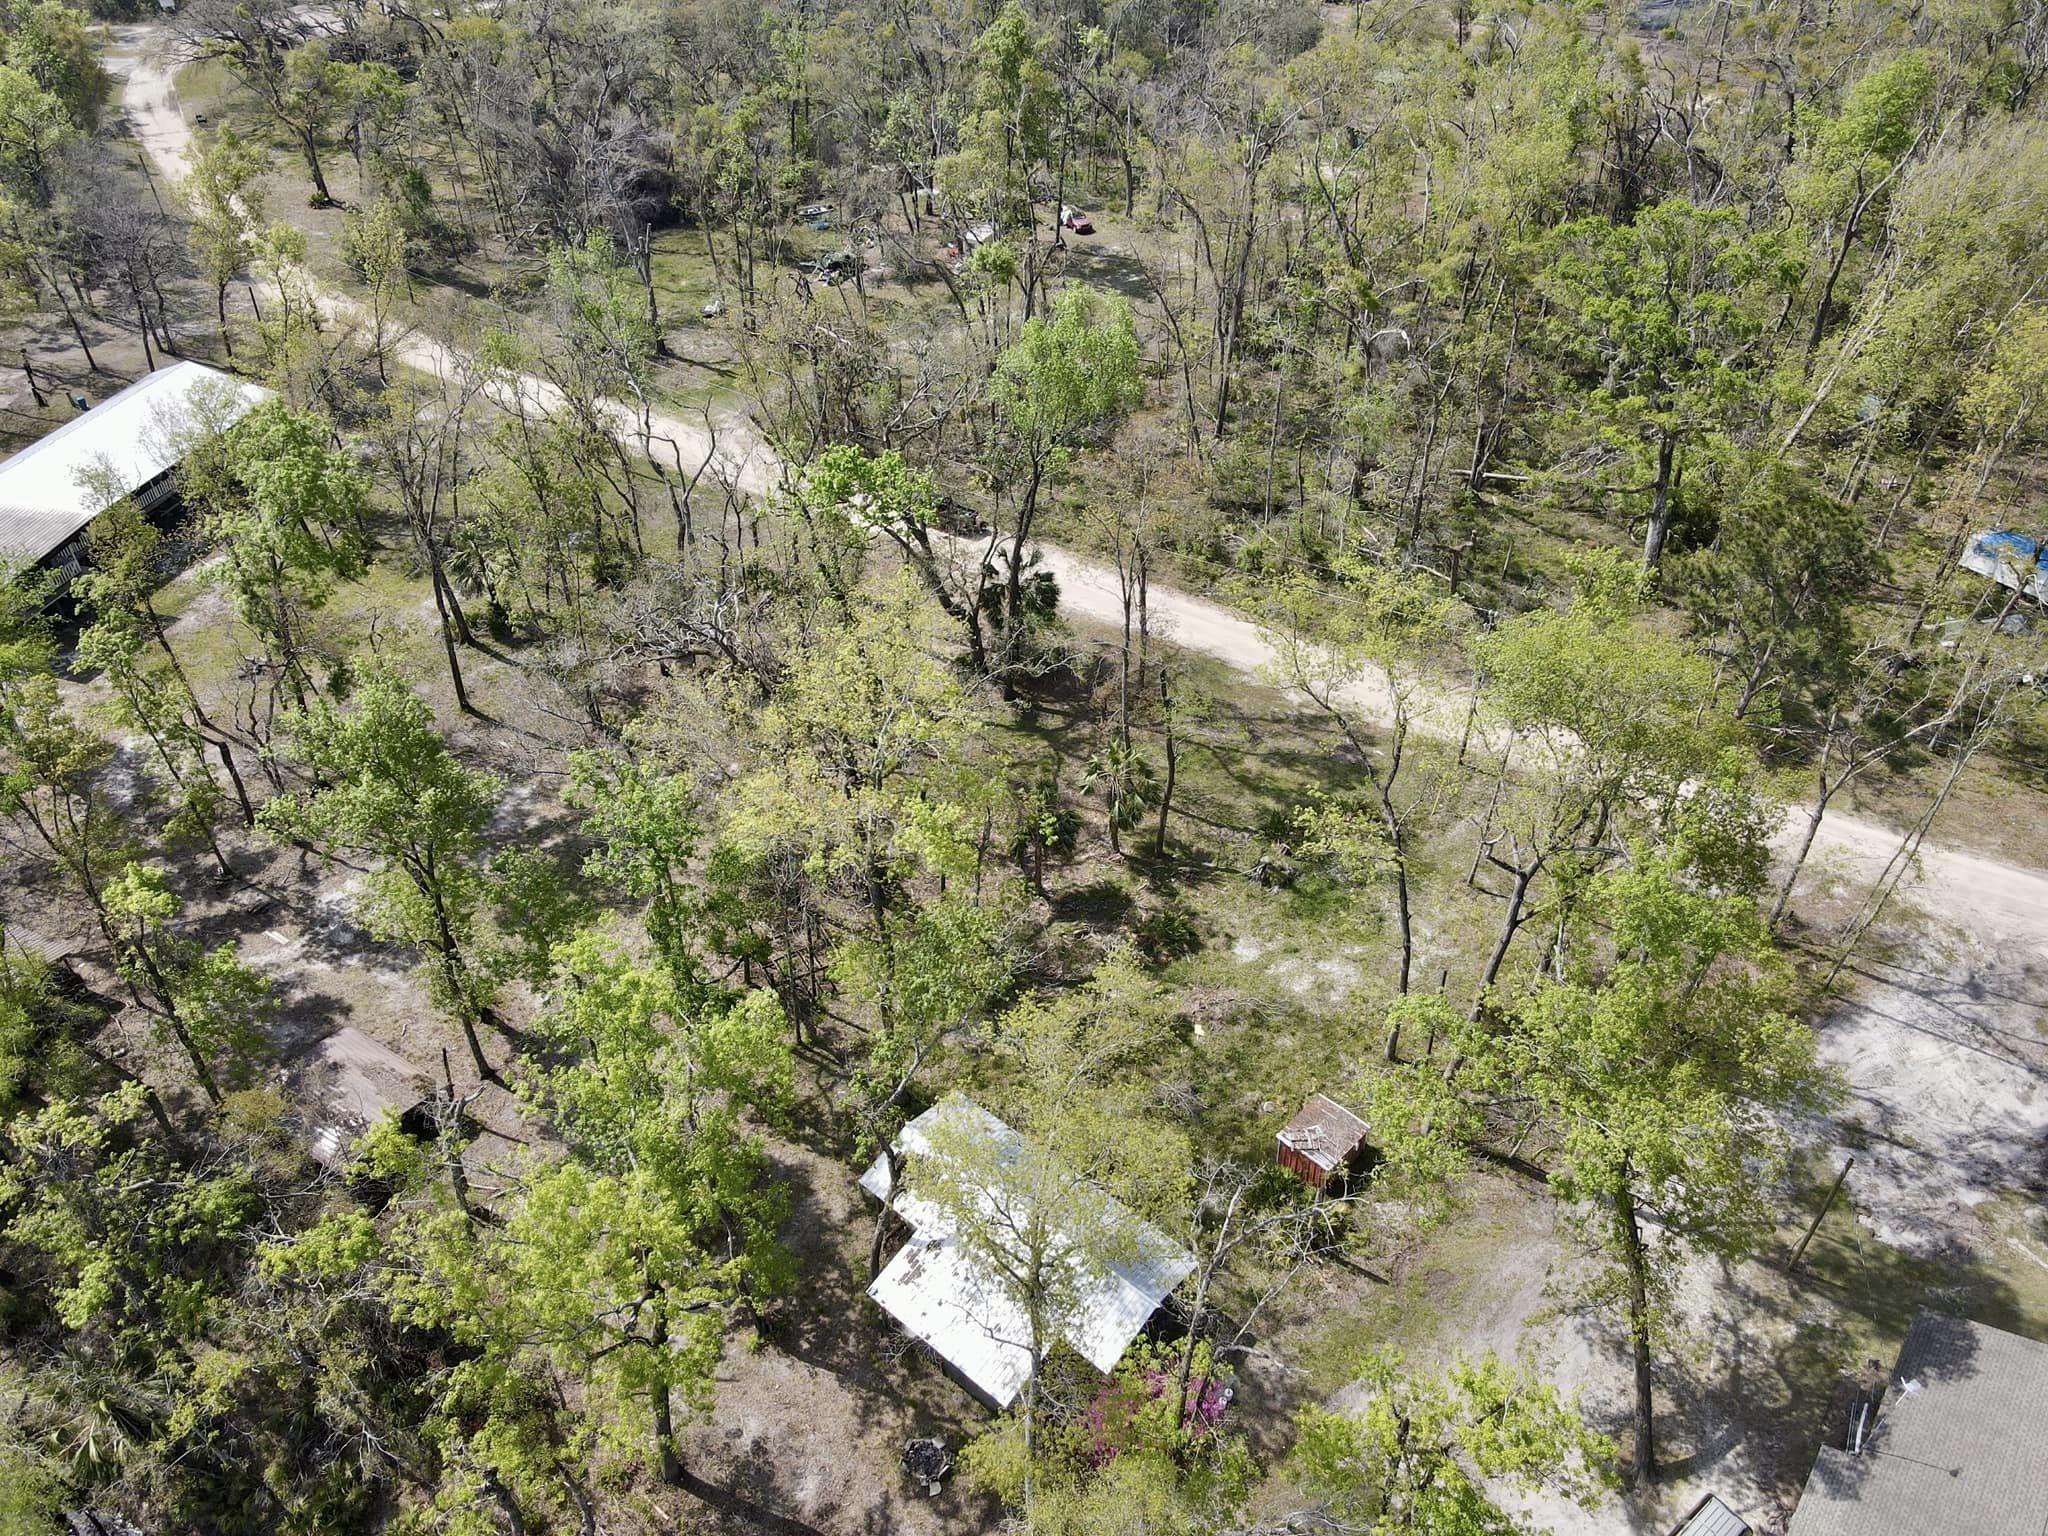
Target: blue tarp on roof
x=2010 y=559
x=2016 y=547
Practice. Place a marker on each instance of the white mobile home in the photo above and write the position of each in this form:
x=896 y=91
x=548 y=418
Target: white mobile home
x=127 y=445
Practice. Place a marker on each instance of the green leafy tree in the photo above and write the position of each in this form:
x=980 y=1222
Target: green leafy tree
x=31 y=1490
x=1037 y=1215
x=276 y=52
x=598 y=1277
x=600 y=1291
x=120 y=590
x=1613 y=719
x=130 y=1255
x=34 y=128
x=486 y=1427
x=847 y=495
x=1851 y=163
x=1007 y=132
x=1665 y=1063
x=647 y=828
x=1425 y=1453
x=1776 y=594
x=1069 y=377
x=865 y=715
x=54 y=44
x=932 y=975
x=646 y=1063
x=390 y=791
x=378 y=249
x=1362 y=655
x=224 y=196
x=610 y=339
x=649 y=1078
x=208 y=1000
x=1668 y=315
x=51 y=771
x=42 y=1055
x=286 y=507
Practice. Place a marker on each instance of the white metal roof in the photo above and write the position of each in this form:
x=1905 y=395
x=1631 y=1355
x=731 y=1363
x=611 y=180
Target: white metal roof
x=137 y=434
x=1711 y=1517
x=941 y=1293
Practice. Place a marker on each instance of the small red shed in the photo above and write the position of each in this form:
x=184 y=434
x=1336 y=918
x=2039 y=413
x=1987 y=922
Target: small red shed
x=1322 y=1141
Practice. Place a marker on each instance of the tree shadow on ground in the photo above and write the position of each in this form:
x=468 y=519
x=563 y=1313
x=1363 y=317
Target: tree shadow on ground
x=1115 y=271
x=736 y=1512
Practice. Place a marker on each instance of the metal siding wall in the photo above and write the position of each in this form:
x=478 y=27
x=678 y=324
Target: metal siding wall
x=1298 y=1165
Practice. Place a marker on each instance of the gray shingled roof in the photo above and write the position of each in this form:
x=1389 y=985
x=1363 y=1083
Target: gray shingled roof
x=1960 y=1448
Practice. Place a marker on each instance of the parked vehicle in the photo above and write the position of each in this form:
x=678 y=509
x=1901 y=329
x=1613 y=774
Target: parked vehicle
x=1075 y=220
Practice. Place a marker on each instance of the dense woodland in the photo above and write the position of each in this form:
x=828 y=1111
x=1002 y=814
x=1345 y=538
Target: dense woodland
x=631 y=665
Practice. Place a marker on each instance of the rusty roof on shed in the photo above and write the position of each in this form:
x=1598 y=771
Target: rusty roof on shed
x=1324 y=1132
x=349 y=1082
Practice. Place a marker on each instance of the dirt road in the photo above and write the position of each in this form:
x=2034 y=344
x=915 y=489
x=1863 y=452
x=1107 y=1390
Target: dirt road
x=149 y=98
x=1941 y=1043
x=1966 y=888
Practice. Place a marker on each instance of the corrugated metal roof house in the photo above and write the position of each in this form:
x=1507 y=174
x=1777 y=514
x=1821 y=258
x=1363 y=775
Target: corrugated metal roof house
x=136 y=436
x=945 y=1295
x=1711 y=1517
x=35 y=942
x=348 y=1082
x=1960 y=1447
x=56 y=955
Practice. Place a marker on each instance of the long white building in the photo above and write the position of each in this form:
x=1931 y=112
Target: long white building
x=127 y=445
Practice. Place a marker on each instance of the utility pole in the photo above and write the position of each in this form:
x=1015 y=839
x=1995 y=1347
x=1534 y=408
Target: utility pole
x=1820 y=1216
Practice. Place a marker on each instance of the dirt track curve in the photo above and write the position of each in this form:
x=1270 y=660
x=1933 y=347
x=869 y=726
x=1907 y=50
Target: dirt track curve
x=1967 y=890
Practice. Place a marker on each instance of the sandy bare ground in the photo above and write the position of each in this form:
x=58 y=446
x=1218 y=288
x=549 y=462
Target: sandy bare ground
x=1947 y=1065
